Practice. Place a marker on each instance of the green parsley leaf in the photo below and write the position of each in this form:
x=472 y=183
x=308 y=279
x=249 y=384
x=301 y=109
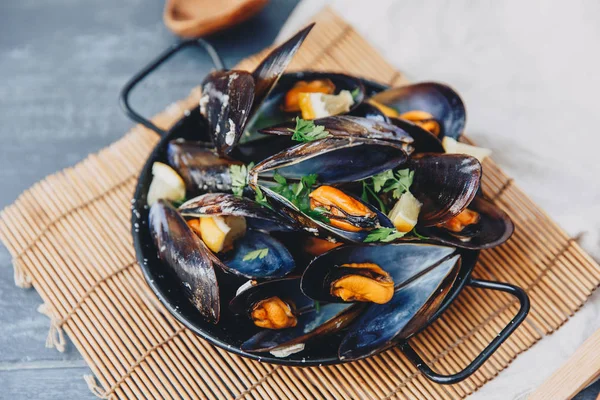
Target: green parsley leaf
x=260 y=198
x=307 y=131
x=279 y=178
x=317 y=306
x=239 y=178
x=258 y=253
x=401 y=182
x=383 y=235
x=415 y=233
x=355 y=93
x=379 y=180
x=178 y=203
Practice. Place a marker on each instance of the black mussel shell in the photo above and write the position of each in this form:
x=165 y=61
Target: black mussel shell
x=413 y=305
x=423 y=140
x=312 y=322
x=324 y=229
x=284 y=288
x=271 y=112
x=227 y=97
x=369 y=111
x=257 y=216
x=188 y=257
x=276 y=263
x=494 y=228
x=334 y=160
x=348 y=126
x=268 y=72
x=445 y=184
x=404 y=262
x=437 y=99
x=200 y=166
x=255 y=151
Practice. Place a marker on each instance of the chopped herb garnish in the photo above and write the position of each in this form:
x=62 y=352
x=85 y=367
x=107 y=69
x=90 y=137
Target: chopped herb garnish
x=239 y=178
x=383 y=235
x=253 y=255
x=260 y=198
x=178 y=203
x=307 y=131
x=355 y=93
x=317 y=306
x=400 y=183
x=416 y=234
x=297 y=193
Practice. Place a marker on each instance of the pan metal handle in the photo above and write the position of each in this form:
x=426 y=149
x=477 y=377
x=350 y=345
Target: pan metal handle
x=486 y=353
x=153 y=65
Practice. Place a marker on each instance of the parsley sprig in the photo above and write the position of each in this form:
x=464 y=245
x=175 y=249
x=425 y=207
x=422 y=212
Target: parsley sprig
x=258 y=253
x=239 y=178
x=388 y=181
x=297 y=193
x=383 y=235
x=307 y=131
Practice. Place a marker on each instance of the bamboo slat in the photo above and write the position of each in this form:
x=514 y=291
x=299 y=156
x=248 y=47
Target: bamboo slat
x=80 y=259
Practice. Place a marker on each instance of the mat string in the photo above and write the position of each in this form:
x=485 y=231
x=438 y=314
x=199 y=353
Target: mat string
x=22 y=278
x=56 y=338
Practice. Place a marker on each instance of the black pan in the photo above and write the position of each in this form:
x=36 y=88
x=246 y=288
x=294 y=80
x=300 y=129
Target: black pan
x=228 y=334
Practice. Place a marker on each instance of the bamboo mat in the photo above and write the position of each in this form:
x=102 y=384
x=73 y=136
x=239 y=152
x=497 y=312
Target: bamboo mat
x=75 y=248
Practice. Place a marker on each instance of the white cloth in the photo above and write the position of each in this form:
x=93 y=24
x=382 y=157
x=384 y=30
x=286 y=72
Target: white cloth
x=529 y=73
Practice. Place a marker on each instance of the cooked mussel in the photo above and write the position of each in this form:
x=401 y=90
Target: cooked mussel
x=283 y=104
x=273 y=304
x=445 y=184
x=375 y=270
x=220 y=219
x=200 y=166
x=225 y=204
x=423 y=140
x=342 y=210
x=291 y=318
x=423 y=276
x=434 y=106
x=480 y=226
x=188 y=257
x=333 y=160
x=345 y=126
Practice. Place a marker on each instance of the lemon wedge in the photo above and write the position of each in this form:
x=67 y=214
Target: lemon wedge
x=318 y=105
x=405 y=213
x=453 y=147
x=166 y=184
x=219 y=232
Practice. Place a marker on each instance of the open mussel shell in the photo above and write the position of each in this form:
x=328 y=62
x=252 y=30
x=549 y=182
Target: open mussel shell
x=439 y=100
x=369 y=111
x=227 y=97
x=423 y=140
x=271 y=112
x=334 y=160
x=403 y=261
x=410 y=309
x=187 y=256
x=322 y=228
x=277 y=263
x=268 y=72
x=312 y=322
x=494 y=228
x=445 y=184
x=284 y=288
x=200 y=166
x=218 y=204
x=345 y=126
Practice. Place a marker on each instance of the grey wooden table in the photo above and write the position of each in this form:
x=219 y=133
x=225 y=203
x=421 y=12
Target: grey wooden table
x=62 y=64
